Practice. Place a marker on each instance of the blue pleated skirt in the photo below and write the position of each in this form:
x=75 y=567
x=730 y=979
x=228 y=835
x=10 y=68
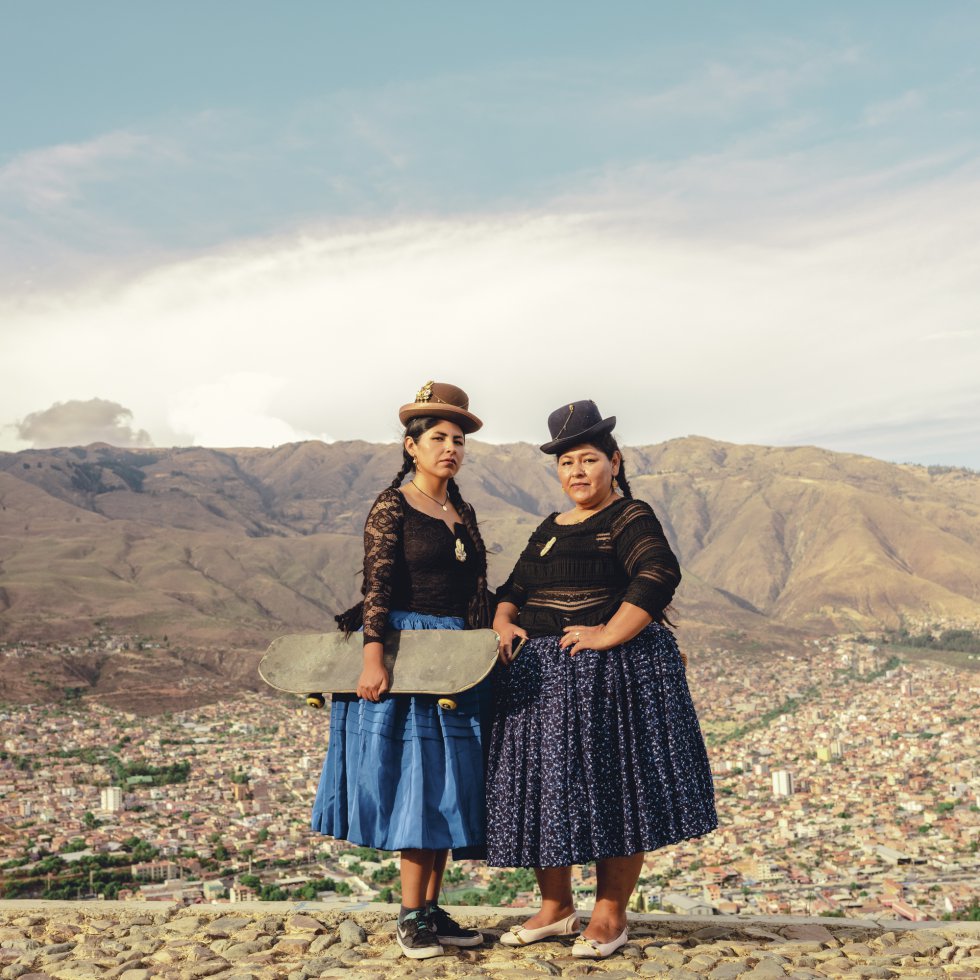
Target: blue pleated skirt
x=594 y=756
x=402 y=772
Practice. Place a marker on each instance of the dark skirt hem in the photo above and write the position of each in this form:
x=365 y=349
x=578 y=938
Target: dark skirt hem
x=496 y=860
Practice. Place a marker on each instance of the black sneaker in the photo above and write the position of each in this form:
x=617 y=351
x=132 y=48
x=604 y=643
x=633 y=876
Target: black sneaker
x=449 y=932
x=416 y=938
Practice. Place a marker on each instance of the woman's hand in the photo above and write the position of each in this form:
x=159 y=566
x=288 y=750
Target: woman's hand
x=372 y=683
x=628 y=621
x=511 y=636
x=578 y=638
x=374 y=680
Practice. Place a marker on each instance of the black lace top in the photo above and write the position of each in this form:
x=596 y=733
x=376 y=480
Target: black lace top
x=410 y=563
x=618 y=555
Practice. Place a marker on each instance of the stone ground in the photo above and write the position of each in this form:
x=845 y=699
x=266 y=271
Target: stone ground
x=285 y=941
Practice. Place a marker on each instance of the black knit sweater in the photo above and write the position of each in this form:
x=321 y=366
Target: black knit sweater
x=618 y=555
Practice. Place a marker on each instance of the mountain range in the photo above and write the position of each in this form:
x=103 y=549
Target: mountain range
x=222 y=549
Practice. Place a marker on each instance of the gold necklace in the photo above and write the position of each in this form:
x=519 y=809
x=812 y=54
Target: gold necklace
x=443 y=505
x=460 y=550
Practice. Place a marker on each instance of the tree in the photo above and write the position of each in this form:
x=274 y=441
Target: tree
x=386 y=873
x=140 y=850
x=89 y=820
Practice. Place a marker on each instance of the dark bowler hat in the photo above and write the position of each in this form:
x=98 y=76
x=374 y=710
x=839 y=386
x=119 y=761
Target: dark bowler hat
x=574 y=424
x=436 y=399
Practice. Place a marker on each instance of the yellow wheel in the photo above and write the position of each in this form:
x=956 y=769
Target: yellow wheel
x=448 y=704
x=316 y=700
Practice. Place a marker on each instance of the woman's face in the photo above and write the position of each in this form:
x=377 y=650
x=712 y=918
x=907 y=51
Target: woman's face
x=439 y=451
x=586 y=474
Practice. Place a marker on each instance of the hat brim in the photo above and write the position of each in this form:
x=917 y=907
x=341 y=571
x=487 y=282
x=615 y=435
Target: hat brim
x=467 y=421
x=557 y=446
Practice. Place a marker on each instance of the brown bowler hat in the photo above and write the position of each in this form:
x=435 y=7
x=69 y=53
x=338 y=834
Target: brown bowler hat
x=436 y=399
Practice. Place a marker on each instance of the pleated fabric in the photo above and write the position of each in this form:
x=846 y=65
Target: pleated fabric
x=594 y=756
x=404 y=773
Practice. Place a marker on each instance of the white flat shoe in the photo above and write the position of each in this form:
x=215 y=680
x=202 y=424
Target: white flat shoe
x=519 y=936
x=592 y=949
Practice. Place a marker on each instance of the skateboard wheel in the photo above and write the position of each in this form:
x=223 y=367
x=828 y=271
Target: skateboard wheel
x=448 y=704
x=316 y=700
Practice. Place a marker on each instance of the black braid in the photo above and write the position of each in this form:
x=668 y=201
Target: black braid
x=479 y=614
x=621 y=479
x=607 y=445
x=407 y=465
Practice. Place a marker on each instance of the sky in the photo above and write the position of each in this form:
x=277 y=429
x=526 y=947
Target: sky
x=245 y=224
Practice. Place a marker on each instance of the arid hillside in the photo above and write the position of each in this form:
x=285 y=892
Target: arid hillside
x=232 y=547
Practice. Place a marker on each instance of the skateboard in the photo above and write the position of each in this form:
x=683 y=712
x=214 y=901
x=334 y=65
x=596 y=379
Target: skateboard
x=438 y=662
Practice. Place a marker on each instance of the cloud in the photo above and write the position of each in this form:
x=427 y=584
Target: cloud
x=674 y=301
x=54 y=175
x=917 y=437
x=890 y=110
x=234 y=410
x=79 y=423
x=759 y=77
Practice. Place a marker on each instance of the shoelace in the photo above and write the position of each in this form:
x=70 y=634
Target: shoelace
x=420 y=919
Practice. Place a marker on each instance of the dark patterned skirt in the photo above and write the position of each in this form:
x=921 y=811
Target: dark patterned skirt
x=593 y=756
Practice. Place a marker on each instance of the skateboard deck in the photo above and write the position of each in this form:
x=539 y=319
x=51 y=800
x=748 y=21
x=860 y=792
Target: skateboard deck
x=439 y=662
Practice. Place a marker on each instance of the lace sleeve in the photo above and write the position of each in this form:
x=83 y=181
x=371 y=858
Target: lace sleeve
x=382 y=532
x=644 y=553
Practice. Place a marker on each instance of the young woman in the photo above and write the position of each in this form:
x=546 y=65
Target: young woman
x=596 y=752
x=401 y=774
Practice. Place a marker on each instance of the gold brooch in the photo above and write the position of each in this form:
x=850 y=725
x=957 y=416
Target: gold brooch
x=425 y=392
x=460 y=551
x=547 y=547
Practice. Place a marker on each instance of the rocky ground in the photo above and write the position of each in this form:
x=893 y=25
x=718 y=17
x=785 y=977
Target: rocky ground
x=281 y=941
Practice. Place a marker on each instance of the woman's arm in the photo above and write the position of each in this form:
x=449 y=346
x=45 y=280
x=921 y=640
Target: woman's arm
x=382 y=532
x=505 y=625
x=643 y=552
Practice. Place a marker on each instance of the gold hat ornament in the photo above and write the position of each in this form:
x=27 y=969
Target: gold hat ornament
x=437 y=399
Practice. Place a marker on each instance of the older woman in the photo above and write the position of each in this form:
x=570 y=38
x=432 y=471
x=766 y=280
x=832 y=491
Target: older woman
x=596 y=752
